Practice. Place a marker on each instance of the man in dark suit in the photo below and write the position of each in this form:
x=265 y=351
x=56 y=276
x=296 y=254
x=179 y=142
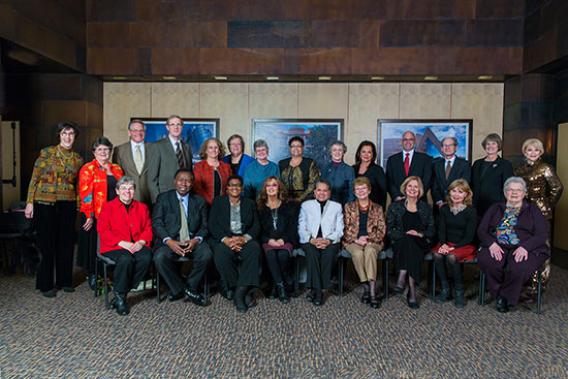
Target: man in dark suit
x=407 y=163
x=169 y=155
x=134 y=156
x=446 y=169
x=180 y=227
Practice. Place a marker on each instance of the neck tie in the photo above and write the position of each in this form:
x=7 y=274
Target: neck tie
x=183 y=231
x=138 y=160
x=406 y=164
x=179 y=155
x=448 y=168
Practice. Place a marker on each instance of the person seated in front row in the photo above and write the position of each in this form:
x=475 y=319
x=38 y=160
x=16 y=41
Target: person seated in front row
x=233 y=226
x=320 y=228
x=364 y=234
x=180 y=225
x=457 y=223
x=279 y=220
x=410 y=225
x=513 y=239
x=125 y=233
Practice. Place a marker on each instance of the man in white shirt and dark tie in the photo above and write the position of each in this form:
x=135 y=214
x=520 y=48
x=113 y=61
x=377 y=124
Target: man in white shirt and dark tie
x=446 y=169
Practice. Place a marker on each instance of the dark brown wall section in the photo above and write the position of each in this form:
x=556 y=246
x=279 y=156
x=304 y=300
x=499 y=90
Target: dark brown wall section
x=301 y=37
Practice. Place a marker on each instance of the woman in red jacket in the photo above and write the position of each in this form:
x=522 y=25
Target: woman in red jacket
x=125 y=232
x=211 y=174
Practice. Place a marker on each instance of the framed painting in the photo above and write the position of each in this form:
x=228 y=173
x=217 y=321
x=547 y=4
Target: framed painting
x=429 y=135
x=195 y=131
x=318 y=135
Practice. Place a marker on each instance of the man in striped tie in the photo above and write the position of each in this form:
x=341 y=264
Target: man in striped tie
x=170 y=154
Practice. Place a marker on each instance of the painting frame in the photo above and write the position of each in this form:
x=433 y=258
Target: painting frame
x=389 y=133
x=278 y=131
x=156 y=130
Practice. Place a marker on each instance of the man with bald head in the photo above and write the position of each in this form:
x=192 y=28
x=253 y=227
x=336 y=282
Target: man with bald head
x=408 y=162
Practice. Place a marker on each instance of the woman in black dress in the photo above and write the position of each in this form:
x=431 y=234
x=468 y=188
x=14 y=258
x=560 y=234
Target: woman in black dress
x=489 y=174
x=410 y=225
x=365 y=165
x=278 y=220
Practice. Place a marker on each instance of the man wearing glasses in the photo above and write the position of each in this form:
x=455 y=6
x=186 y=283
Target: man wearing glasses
x=446 y=169
x=169 y=155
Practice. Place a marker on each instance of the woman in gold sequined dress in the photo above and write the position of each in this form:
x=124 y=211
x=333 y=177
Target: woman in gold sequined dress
x=543 y=188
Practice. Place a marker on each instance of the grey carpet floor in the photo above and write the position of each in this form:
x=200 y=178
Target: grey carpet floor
x=73 y=336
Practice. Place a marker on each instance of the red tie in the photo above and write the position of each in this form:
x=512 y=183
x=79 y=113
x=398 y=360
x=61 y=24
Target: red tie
x=406 y=164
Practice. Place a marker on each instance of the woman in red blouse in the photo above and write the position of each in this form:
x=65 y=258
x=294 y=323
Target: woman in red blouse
x=211 y=174
x=125 y=232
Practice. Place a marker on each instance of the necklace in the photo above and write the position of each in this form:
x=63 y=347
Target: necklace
x=62 y=154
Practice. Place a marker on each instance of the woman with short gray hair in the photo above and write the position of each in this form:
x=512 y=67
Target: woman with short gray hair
x=260 y=169
x=513 y=244
x=339 y=174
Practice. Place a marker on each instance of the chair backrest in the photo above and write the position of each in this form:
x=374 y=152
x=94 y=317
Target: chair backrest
x=14 y=222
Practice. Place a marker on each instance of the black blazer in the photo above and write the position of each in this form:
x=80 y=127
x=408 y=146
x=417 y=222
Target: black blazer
x=166 y=219
x=487 y=186
x=460 y=170
x=286 y=226
x=378 y=179
x=421 y=166
x=220 y=218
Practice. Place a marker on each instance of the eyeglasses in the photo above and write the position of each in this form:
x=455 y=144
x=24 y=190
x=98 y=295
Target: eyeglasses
x=234 y=185
x=296 y=146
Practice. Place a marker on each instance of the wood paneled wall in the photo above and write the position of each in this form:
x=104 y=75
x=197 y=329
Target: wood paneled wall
x=304 y=37
x=360 y=105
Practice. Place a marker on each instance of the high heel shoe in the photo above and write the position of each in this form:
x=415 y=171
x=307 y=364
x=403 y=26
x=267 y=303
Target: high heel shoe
x=374 y=302
x=282 y=294
x=398 y=289
x=412 y=304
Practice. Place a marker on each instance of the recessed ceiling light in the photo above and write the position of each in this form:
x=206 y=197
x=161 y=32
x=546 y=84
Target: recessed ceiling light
x=220 y=77
x=169 y=77
x=377 y=78
x=324 y=77
x=430 y=78
x=119 y=77
x=272 y=78
x=485 y=77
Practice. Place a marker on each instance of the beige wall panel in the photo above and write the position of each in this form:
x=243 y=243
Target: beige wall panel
x=367 y=104
x=323 y=100
x=273 y=100
x=419 y=100
x=175 y=98
x=230 y=103
x=121 y=102
x=561 y=210
x=484 y=104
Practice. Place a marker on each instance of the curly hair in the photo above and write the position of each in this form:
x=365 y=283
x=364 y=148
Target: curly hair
x=203 y=149
x=263 y=196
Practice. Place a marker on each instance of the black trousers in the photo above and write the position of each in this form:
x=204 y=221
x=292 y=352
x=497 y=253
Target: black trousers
x=87 y=253
x=167 y=265
x=130 y=269
x=278 y=261
x=237 y=269
x=55 y=230
x=320 y=265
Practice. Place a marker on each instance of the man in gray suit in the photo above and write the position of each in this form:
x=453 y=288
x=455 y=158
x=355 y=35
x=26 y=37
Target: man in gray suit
x=169 y=155
x=134 y=156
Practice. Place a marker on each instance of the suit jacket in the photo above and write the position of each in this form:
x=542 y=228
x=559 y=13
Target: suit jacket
x=421 y=166
x=311 y=216
x=220 y=218
x=163 y=166
x=123 y=157
x=376 y=227
x=460 y=170
x=166 y=218
x=487 y=186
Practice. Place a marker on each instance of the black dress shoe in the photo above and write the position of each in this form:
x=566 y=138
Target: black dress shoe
x=501 y=305
x=412 y=304
x=92 y=280
x=459 y=298
x=228 y=293
x=119 y=303
x=443 y=296
x=366 y=297
x=195 y=297
x=239 y=299
x=318 y=298
x=250 y=298
x=282 y=293
x=50 y=293
x=310 y=296
x=175 y=297
x=374 y=302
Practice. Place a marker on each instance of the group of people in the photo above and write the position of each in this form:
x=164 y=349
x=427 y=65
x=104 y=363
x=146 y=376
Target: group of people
x=238 y=211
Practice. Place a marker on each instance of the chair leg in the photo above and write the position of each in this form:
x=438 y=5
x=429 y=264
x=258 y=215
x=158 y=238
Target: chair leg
x=481 y=296
x=97 y=277
x=205 y=287
x=341 y=269
x=105 y=286
x=539 y=293
x=158 y=295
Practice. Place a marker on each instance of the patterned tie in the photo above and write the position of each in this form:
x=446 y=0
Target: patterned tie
x=448 y=168
x=406 y=164
x=179 y=155
x=138 y=160
x=183 y=231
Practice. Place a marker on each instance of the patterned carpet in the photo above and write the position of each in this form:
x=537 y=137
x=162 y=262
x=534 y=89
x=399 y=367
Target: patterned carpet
x=73 y=336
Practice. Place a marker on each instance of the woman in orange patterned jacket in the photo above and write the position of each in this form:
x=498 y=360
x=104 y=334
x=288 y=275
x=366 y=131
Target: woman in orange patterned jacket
x=97 y=180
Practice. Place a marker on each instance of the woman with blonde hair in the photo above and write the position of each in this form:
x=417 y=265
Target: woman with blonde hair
x=457 y=223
